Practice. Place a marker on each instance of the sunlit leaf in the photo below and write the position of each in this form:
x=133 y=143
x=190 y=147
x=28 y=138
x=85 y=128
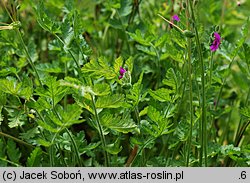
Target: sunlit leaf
x=162 y=94
x=99 y=68
x=114 y=101
x=117 y=124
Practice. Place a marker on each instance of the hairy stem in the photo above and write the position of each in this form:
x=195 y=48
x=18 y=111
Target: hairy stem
x=100 y=130
x=190 y=91
x=29 y=57
x=203 y=130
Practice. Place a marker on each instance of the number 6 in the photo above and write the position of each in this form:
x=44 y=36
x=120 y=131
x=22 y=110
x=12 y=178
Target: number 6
x=243 y=175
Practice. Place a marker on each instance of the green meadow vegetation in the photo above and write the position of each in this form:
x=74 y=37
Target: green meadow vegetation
x=141 y=83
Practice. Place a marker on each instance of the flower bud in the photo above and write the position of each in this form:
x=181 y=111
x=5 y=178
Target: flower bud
x=16 y=24
x=217 y=28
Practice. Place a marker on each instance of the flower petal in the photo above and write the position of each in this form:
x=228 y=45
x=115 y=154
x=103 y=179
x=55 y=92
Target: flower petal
x=216 y=43
x=176 y=18
x=122 y=70
x=217 y=36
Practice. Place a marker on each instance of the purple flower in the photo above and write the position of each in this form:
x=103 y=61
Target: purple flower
x=122 y=72
x=216 y=43
x=176 y=18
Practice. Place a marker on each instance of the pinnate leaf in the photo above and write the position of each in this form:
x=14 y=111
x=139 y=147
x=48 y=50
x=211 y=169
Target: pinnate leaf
x=111 y=101
x=117 y=124
x=99 y=68
x=34 y=158
x=13 y=152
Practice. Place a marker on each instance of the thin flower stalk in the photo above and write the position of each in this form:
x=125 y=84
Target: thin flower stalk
x=203 y=125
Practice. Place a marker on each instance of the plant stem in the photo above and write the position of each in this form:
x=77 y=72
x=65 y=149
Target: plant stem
x=238 y=136
x=211 y=68
x=171 y=23
x=17 y=140
x=75 y=148
x=224 y=80
x=100 y=130
x=142 y=148
x=29 y=57
x=190 y=91
x=203 y=130
x=10 y=162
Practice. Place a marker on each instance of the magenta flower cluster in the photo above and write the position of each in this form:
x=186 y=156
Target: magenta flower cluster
x=122 y=72
x=216 y=43
x=176 y=18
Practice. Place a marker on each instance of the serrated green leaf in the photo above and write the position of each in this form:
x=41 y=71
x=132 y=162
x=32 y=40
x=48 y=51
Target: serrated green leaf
x=147 y=50
x=239 y=43
x=2 y=154
x=89 y=147
x=48 y=127
x=148 y=128
x=246 y=49
x=27 y=88
x=29 y=134
x=32 y=50
x=13 y=152
x=99 y=68
x=2 y=148
x=71 y=114
x=41 y=104
x=101 y=89
x=114 y=148
x=245 y=112
x=157 y=125
x=230 y=149
x=172 y=80
x=10 y=85
x=138 y=37
x=84 y=103
x=7 y=71
x=110 y=101
x=129 y=63
x=44 y=20
x=126 y=8
x=144 y=111
x=3 y=98
x=54 y=90
x=34 y=159
x=161 y=40
x=1 y=116
x=118 y=124
x=115 y=23
x=53 y=67
x=178 y=38
x=182 y=131
x=174 y=53
x=135 y=92
x=16 y=118
x=15 y=122
x=162 y=94
x=118 y=63
x=53 y=118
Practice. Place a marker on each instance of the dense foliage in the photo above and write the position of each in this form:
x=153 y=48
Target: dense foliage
x=124 y=83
